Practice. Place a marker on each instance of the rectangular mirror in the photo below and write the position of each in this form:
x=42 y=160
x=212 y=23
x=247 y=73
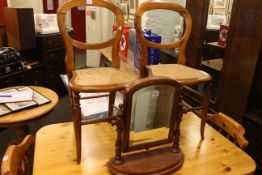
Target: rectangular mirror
x=151 y=115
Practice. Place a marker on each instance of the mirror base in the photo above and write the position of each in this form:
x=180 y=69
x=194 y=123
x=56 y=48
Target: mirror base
x=158 y=161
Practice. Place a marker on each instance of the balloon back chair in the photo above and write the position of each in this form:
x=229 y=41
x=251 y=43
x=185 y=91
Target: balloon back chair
x=179 y=72
x=90 y=80
x=146 y=121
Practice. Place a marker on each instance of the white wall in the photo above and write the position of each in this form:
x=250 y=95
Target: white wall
x=98 y=30
x=37 y=5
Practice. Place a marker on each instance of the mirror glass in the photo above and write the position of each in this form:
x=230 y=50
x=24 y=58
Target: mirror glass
x=151 y=114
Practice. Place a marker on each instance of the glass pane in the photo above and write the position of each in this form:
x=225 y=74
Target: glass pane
x=151 y=114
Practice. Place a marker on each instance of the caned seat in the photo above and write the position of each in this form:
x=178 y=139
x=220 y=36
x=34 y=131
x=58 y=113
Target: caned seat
x=183 y=74
x=92 y=80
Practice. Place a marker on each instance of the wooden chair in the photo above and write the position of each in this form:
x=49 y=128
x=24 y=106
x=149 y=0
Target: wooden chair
x=89 y=80
x=147 y=119
x=229 y=128
x=14 y=161
x=179 y=72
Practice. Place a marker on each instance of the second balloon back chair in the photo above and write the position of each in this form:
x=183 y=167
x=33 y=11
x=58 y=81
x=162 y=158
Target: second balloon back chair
x=89 y=80
x=180 y=72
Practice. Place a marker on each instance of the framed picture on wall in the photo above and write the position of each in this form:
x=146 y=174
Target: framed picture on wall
x=221 y=4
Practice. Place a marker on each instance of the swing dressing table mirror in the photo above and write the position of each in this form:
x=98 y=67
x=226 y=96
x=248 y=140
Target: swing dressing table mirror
x=147 y=119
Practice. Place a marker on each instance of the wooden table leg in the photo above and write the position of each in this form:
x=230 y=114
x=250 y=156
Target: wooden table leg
x=22 y=131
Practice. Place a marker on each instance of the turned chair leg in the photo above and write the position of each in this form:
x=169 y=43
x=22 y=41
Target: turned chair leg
x=77 y=124
x=112 y=97
x=176 y=147
x=205 y=105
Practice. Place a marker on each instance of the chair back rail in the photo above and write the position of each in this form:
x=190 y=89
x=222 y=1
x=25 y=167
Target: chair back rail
x=13 y=162
x=144 y=44
x=229 y=128
x=70 y=43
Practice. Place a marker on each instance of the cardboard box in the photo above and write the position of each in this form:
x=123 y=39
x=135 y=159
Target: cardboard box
x=153 y=54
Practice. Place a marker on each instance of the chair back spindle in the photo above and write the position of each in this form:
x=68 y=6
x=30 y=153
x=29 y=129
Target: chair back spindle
x=229 y=128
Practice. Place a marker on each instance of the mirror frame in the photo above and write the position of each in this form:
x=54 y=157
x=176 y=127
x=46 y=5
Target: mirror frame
x=127 y=110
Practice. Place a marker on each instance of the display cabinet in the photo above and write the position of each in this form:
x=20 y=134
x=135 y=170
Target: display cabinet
x=52 y=54
x=32 y=75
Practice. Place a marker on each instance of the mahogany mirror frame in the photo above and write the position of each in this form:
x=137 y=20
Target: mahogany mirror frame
x=127 y=111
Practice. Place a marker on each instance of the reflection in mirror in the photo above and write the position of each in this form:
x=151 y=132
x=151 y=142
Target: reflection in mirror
x=151 y=114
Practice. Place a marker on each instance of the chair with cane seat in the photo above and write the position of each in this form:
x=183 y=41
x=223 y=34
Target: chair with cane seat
x=90 y=80
x=15 y=161
x=229 y=128
x=180 y=72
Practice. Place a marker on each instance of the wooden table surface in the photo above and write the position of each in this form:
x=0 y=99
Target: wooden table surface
x=55 y=152
x=27 y=115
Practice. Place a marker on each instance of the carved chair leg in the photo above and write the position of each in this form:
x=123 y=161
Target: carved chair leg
x=118 y=121
x=205 y=105
x=176 y=148
x=77 y=123
x=112 y=97
x=118 y=158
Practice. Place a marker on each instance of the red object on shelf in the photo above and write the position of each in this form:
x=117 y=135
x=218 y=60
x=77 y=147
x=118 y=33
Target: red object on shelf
x=222 y=38
x=123 y=50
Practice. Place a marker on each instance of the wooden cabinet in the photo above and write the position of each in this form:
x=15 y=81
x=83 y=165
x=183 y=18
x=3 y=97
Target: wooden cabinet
x=52 y=54
x=168 y=56
x=239 y=92
x=3 y=36
x=213 y=50
x=24 y=77
x=20 y=28
x=211 y=35
x=253 y=126
x=241 y=58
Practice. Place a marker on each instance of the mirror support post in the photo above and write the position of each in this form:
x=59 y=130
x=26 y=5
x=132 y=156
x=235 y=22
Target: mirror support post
x=176 y=135
x=119 y=129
